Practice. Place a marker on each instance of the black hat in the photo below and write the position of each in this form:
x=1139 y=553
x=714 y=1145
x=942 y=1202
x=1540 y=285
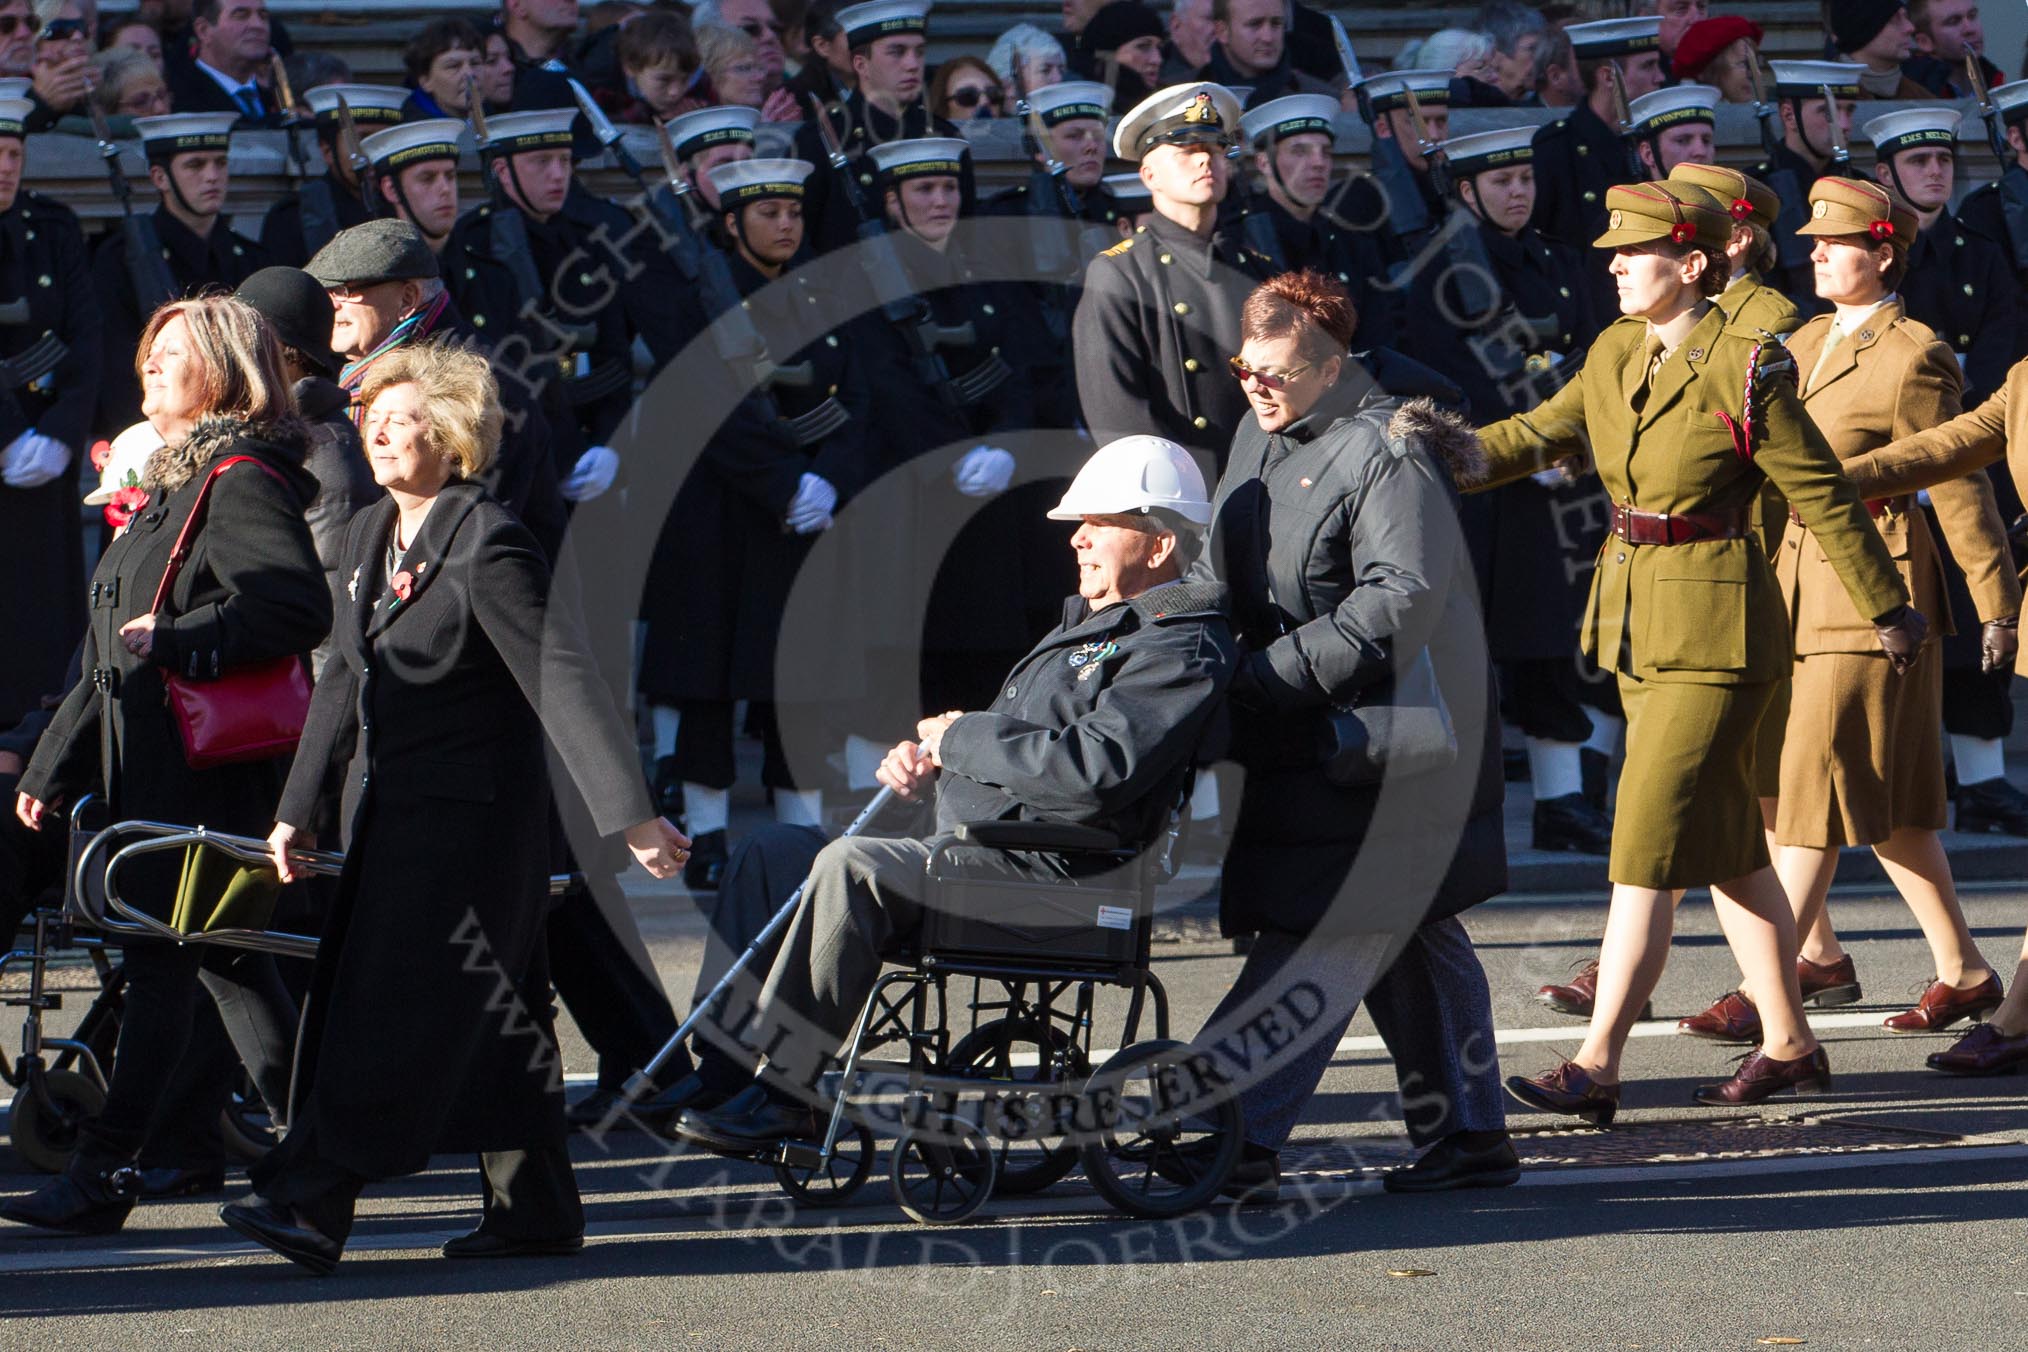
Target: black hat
x=296 y=308
x=1118 y=23
x=1854 y=23
x=381 y=250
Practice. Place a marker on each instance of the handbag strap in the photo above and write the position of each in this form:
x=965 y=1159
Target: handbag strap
x=181 y=550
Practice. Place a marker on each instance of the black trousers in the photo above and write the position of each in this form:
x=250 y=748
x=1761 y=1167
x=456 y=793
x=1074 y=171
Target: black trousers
x=1548 y=699
x=704 y=743
x=186 y=1133
x=1978 y=703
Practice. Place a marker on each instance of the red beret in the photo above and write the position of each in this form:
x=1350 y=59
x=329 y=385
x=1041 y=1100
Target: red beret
x=1707 y=38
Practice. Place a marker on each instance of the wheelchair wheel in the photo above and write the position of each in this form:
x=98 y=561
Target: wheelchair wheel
x=244 y=1126
x=1027 y=1123
x=1157 y=1139
x=44 y=1126
x=833 y=1182
x=942 y=1169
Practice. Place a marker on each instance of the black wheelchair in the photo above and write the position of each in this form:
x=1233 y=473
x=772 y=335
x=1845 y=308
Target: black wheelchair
x=1013 y=1104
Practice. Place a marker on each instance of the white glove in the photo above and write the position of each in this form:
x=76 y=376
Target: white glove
x=596 y=469
x=1556 y=476
x=983 y=471
x=810 y=510
x=32 y=460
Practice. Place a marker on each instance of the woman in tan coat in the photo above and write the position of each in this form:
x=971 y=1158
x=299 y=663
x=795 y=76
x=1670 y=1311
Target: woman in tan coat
x=1686 y=419
x=1861 y=761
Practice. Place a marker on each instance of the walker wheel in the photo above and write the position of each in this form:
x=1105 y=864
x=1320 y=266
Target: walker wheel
x=1025 y=1106
x=1159 y=1130
x=44 y=1124
x=942 y=1169
x=834 y=1181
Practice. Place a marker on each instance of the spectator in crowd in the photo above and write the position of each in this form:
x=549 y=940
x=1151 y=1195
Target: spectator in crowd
x=1558 y=83
x=1026 y=58
x=732 y=67
x=610 y=14
x=441 y=62
x=497 y=72
x=1250 y=50
x=758 y=22
x=1946 y=32
x=61 y=65
x=17 y=38
x=537 y=30
x=793 y=15
x=230 y=73
x=1678 y=17
x=1076 y=14
x=1465 y=52
x=659 y=59
x=827 y=70
x=138 y=34
x=1878 y=35
x=1722 y=52
x=966 y=88
x=1122 y=47
x=250 y=591
x=1517 y=34
x=1191 y=35
x=126 y=83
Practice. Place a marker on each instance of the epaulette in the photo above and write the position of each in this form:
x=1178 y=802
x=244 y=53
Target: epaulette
x=1118 y=249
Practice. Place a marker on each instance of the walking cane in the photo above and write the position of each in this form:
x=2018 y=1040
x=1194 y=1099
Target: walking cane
x=641 y=1086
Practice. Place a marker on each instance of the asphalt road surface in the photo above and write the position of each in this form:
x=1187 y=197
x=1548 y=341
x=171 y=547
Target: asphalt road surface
x=1890 y=1213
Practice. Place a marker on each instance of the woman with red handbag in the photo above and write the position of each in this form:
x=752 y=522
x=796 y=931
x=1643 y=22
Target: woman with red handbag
x=214 y=587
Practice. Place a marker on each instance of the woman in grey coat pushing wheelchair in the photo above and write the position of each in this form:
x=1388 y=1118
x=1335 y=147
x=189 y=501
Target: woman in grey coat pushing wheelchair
x=1096 y=727
x=1334 y=528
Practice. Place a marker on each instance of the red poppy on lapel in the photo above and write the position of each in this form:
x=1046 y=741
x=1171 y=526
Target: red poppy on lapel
x=402 y=583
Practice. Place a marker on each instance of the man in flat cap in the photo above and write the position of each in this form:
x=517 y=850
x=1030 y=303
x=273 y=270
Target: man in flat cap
x=1160 y=312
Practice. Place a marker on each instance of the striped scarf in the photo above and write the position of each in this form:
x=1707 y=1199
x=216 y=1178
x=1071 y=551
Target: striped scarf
x=413 y=329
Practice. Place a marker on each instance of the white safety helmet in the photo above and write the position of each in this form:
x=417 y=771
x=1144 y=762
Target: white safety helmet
x=126 y=459
x=1137 y=474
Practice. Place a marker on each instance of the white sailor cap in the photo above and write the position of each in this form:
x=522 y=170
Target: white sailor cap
x=1485 y=150
x=2012 y=100
x=708 y=127
x=919 y=157
x=1381 y=93
x=1614 y=37
x=1804 y=79
x=396 y=148
x=1186 y=114
x=541 y=129
x=1290 y=115
x=1129 y=194
x=739 y=182
x=1069 y=100
x=16 y=87
x=1892 y=133
x=1672 y=107
x=174 y=133
x=866 y=24
x=14 y=114
x=375 y=105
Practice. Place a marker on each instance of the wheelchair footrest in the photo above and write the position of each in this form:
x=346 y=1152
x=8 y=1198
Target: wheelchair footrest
x=796 y=1154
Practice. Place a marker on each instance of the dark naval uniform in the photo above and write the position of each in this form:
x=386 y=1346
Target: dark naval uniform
x=1332 y=247
x=1051 y=368
x=860 y=127
x=42 y=263
x=1159 y=318
x=1984 y=212
x=283 y=236
x=1395 y=208
x=221 y=261
x=1576 y=160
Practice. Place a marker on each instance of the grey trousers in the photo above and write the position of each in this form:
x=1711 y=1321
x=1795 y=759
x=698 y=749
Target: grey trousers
x=1431 y=1006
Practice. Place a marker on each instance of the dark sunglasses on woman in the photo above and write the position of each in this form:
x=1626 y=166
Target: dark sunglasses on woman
x=968 y=96
x=1268 y=381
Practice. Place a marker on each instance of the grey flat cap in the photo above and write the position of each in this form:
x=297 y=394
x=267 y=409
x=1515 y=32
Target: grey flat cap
x=383 y=250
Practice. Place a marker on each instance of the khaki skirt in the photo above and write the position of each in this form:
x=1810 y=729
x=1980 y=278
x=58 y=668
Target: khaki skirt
x=1767 y=750
x=1862 y=756
x=1687 y=814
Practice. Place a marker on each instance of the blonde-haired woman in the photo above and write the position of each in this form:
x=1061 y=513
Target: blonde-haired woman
x=429 y=1024
x=250 y=591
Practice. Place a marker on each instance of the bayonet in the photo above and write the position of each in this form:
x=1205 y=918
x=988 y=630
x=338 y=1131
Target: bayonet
x=1996 y=126
x=1347 y=58
x=1840 y=155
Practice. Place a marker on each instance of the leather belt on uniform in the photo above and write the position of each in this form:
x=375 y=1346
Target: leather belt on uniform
x=600 y=382
x=975 y=384
x=1676 y=528
x=1875 y=507
x=807 y=429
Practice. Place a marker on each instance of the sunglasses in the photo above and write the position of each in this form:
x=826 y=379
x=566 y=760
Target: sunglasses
x=753 y=28
x=968 y=96
x=1268 y=381
x=10 y=24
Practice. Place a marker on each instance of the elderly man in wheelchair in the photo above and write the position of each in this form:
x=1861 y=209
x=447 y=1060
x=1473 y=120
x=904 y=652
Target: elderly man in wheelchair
x=1095 y=728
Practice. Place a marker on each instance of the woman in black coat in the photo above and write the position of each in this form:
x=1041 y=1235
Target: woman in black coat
x=250 y=591
x=428 y=1025
x=1335 y=529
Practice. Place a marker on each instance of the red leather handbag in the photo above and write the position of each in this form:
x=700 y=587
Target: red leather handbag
x=250 y=713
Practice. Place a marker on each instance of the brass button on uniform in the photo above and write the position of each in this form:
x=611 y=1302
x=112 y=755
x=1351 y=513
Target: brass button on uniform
x=1192 y=364
x=1182 y=307
x=1200 y=422
x=1969 y=291
x=1165 y=258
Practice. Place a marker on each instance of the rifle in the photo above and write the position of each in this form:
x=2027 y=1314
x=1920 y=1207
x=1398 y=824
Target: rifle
x=1347 y=58
x=1841 y=157
x=1996 y=125
x=908 y=312
x=603 y=130
x=2013 y=181
x=509 y=233
x=1433 y=161
x=1792 y=251
x=147 y=271
x=319 y=213
x=1623 y=113
x=355 y=156
x=1765 y=110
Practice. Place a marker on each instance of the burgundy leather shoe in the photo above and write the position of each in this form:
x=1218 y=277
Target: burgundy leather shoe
x=1731 y=1018
x=1983 y=1051
x=1942 y=1005
x=1578 y=995
x=1570 y=1091
x=1828 y=985
x=1761 y=1077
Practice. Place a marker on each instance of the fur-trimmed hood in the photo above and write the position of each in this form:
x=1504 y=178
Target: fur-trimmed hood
x=1444 y=436
x=283 y=441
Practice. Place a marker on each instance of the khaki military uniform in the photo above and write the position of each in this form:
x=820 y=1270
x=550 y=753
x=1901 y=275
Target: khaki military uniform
x=1861 y=757
x=1755 y=307
x=1696 y=632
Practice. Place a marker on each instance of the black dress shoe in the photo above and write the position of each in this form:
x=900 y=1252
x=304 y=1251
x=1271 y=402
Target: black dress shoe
x=279 y=1228
x=732 y=1131
x=182 y=1182
x=1570 y=823
x=483 y=1243
x=1464 y=1159
x=1256 y=1178
x=668 y=789
x=1992 y=805
x=708 y=854
x=687 y=1093
x=84 y=1200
